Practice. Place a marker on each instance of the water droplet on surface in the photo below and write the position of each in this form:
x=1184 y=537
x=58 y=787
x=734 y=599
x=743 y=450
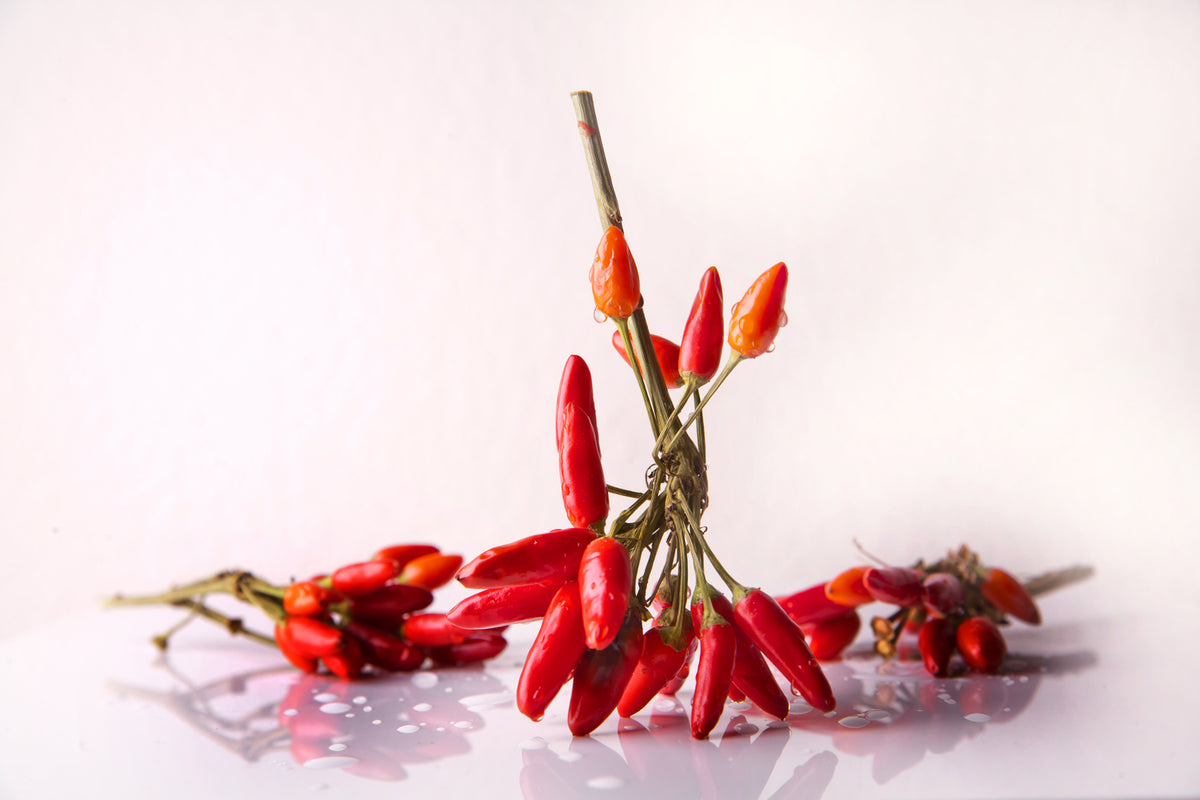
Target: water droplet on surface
x=605 y=782
x=325 y=697
x=335 y=708
x=977 y=718
x=570 y=757
x=745 y=729
x=407 y=729
x=358 y=701
x=290 y=712
x=537 y=743
x=853 y=722
x=330 y=762
x=462 y=724
x=337 y=748
x=877 y=714
x=422 y=707
x=425 y=680
x=376 y=722
x=771 y=347
x=599 y=315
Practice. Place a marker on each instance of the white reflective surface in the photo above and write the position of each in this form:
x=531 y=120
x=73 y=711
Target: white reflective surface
x=1088 y=706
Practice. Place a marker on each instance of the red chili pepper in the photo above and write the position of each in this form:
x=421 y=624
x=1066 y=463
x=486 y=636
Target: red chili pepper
x=357 y=580
x=605 y=581
x=601 y=677
x=714 y=670
x=981 y=644
x=942 y=594
x=391 y=604
x=403 y=553
x=432 y=630
x=431 y=570
x=782 y=642
x=312 y=638
x=306 y=599
x=574 y=387
x=829 y=638
x=1010 y=596
x=751 y=675
x=385 y=650
x=704 y=333
x=475 y=648
x=504 y=605
x=811 y=605
x=758 y=316
x=847 y=588
x=558 y=646
x=899 y=586
x=666 y=351
x=936 y=645
x=298 y=660
x=348 y=662
x=658 y=663
x=615 y=284
x=552 y=556
x=676 y=683
x=585 y=494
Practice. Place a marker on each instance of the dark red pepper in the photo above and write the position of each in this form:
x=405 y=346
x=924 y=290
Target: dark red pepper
x=391 y=604
x=357 y=580
x=585 y=494
x=898 y=586
x=605 y=582
x=601 y=677
x=981 y=644
x=574 y=387
x=558 y=646
x=552 y=556
x=666 y=351
x=504 y=605
x=714 y=670
x=479 y=646
x=384 y=650
x=936 y=645
x=942 y=594
x=782 y=642
x=704 y=333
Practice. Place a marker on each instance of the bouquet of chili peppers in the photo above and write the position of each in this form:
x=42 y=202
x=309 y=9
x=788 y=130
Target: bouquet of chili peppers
x=365 y=613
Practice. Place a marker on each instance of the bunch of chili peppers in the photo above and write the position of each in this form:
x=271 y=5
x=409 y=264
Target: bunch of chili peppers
x=365 y=613
x=953 y=604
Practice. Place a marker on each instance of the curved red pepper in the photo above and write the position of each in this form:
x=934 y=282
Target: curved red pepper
x=574 y=387
x=503 y=605
x=981 y=644
x=605 y=581
x=658 y=663
x=601 y=677
x=431 y=570
x=936 y=645
x=782 y=642
x=432 y=630
x=758 y=316
x=403 y=553
x=828 y=638
x=558 y=646
x=552 y=556
x=665 y=351
x=899 y=586
x=357 y=580
x=714 y=671
x=811 y=605
x=391 y=604
x=1010 y=596
x=297 y=659
x=585 y=494
x=385 y=650
x=751 y=675
x=616 y=287
x=475 y=648
x=704 y=333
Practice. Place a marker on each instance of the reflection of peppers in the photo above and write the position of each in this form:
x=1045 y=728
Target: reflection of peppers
x=552 y=556
x=431 y=570
x=614 y=276
x=981 y=644
x=704 y=333
x=1010 y=596
x=666 y=351
x=758 y=316
x=559 y=644
x=751 y=675
x=585 y=494
x=504 y=605
x=657 y=665
x=357 y=580
x=781 y=641
x=605 y=581
x=574 y=387
x=714 y=670
x=936 y=645
x=601 y=677
x=389 y=605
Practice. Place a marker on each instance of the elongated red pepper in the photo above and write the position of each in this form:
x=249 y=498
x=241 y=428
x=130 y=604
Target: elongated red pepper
x=981 y=644
x=605 y=581
x=828 y=638
x=431 y=570
x=300 y=661
x=384 y=650
x=811 y=605
x=575 y=387
x=704 y=333
x=714 y=670
x=751 y=675
x=601 y=677
x=666 y=351
x=847 y=588
x=555 y=651
x=616 y=287
x=313 y=638
x=899 y=586
x=358 y=580
x=432 y=630
x=782 y=642
x=504 y=605
x=758 y=316
x=552 y=556
x=936 y=645
x=1010 y=596
x=658 y=663
x=479 y=646
x=403 y=553
x=391 y=604
x=585 y=494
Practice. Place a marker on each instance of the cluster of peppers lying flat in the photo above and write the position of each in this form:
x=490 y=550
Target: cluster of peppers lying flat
x=366 y=613
x=594 y=584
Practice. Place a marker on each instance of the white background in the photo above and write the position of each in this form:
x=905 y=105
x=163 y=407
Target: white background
x=281 y=283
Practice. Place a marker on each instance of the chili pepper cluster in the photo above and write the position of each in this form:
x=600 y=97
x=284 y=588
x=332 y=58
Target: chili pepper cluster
x=594 y=584
x=955 y=604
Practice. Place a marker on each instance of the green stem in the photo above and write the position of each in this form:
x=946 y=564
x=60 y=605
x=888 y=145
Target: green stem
x=619 y=492
x=734 y=587
x=689 y=391
x=623 y=328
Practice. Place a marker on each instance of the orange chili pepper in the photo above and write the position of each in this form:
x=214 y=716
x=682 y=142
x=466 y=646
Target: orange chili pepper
x=614 y=276
x=759 y=315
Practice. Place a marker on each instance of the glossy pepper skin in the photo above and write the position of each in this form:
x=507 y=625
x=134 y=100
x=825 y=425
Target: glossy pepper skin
x=601 y=677
x=385 y=650
x=358 y=580
x=758 y=316
x=575 y=386
x=1010 y=596
x=936 y=642
x=585 y=494
x=781 y=641
x=313 y=638
x=811 y=605
x=714 y=671
x=605 y=582
x=704 y=332
x=657 y=665
x=403 y=553
x=299 y=660
x=847 y=588
x=616 y=287
x=981 y=644
x=751 y=675
x=391 y=604
x=432 y=630
x=898 y=586
x=431 y=570
x=942 y=594
x=504 y=605
x=479 y=646
x=665 y=351
x=555 y=651
x=551 y=556
x=306 y=599
x=827 y=639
